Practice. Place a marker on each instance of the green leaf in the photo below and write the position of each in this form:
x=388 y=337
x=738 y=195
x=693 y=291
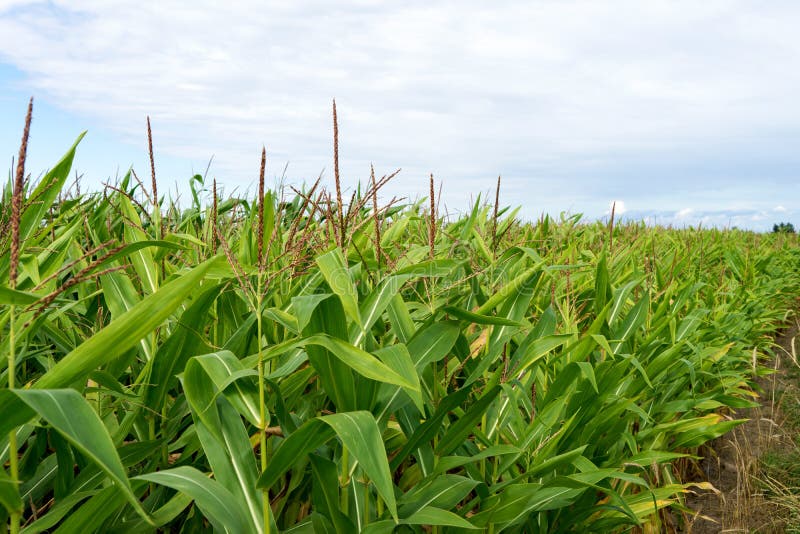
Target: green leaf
x=477 y=318
x=328 y=318
x=444 y=491
x=510 y=289
x=400 y=319
x=184 y=342
x=360 y=434
x=92 y=514
x=464 y=426
x=217 y=503
x=69 y=413
x=136 y=247
x=397 y=357
x=517 y=501
x=431 y=426
x=163 y=515
x=361 y=362
x=539 y=348
x=452 y=462
x=542 y=465
x=231 y=458
x=334 y=268
x=303 y=307
x=311 y=435
x=13 y=297
x=379 y=300
x=632 y=322
x=46 y=193
x=221 y=431
x=619 y=300
x=142 y=259
x=588 y=373
x=9 y=493
x=432 y=343
x=437 y=517
x=649 y=457
x=126 y=331
x=220 y=372
x=326 y=494
x=602 y=287
x=60 y=509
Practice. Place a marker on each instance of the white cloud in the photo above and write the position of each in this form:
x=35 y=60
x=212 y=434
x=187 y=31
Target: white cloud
x=464 y=89
x=617 y=206
x=779 y=209
x=751 y=218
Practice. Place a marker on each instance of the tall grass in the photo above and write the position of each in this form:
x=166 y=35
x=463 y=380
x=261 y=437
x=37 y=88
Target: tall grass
x=292 y=363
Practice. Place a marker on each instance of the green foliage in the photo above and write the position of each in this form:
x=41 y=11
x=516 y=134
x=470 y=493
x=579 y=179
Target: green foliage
x=545 y=382
x=783 y=228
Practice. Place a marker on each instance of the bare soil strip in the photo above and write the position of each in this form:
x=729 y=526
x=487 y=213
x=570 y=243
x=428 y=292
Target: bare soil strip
x=753 y=467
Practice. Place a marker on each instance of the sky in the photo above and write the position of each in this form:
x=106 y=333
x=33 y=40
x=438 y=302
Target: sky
x=681 y=112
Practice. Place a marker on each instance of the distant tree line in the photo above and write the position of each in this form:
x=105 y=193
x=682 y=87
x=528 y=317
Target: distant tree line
x=783 y=228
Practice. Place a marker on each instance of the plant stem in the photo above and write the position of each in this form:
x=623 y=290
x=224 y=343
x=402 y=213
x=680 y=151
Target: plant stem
x=366 y=503
x=151 y=417
x=17 y=198
x=165 y=445
x=15 y=517
x=435 y=386
x=483 y=462
x=262 y=409
x=151 y=435
x=345 y=500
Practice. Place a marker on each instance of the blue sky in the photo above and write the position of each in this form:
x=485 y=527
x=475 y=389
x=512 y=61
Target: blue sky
x=683 y=112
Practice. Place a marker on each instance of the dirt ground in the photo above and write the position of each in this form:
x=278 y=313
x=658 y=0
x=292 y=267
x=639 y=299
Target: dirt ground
x=733 y=463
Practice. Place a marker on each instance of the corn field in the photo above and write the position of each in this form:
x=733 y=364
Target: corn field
x=298 y=362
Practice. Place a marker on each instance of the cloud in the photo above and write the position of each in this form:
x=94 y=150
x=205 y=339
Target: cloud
x=542 y=92
x=751 y=218
x=779 y=209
